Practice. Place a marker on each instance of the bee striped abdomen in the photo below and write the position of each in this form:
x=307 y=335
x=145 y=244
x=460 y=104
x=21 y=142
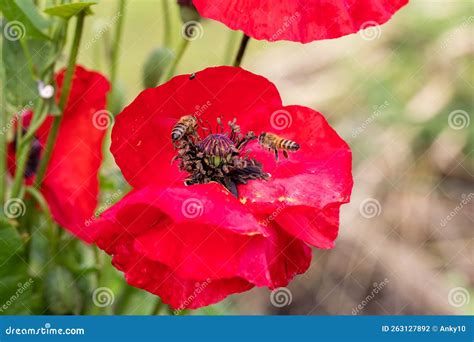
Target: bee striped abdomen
x=288 y=145
x=275 y=143
x=186 y=125
x=178 y=131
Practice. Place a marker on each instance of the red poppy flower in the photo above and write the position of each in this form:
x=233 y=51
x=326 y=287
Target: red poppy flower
x=300 y=21
x=243 y=219
x=70 y=184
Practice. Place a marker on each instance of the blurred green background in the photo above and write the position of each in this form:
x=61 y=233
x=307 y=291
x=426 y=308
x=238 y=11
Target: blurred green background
x=402 y=96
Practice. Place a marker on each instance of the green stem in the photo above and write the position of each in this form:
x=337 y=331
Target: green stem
x=179 y=55
x=166 y=24
x=66 y=89
x=23 y=152
x=117 y=39
x=243 y=47
x=230 y=47
x=41 y=111
x=123 y=300
x=39 y=198
x=157 y=307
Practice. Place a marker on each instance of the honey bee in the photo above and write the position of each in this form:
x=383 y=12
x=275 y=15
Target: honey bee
x=186 y=125
x=275 y=143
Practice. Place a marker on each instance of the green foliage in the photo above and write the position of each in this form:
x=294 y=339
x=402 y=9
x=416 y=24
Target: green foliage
x=26 y=18
x=15 y=284
x=21 y=87
x=67 y=11
x=62 y=294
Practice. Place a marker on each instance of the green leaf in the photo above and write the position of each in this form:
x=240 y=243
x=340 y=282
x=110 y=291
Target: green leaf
x=62 y=294
x=24 y=20
x=22 y=89
x=16 y=287
x=10 y=243
x=69 y=10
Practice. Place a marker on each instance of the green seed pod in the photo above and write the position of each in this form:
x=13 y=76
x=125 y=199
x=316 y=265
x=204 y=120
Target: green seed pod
x=155 y=66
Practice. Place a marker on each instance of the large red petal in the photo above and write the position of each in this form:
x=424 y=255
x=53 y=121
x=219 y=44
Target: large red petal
x=71 y=184
x=315 y=177
x=201 y=252
x=316 y=227
x=180 y=293
x=141 y=142
x=209 y=205
x=301 y=21
x=218 y=240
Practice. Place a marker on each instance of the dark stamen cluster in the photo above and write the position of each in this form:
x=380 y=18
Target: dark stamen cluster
x=218 y=157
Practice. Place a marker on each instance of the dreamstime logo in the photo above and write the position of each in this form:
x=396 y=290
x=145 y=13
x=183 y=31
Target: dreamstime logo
x=281 y=297
x=281 y=119
x=452 y=35
x=22 y=287
x=370 y=30
x=458 y=297
x=192 y=208
x=102 y=297
x=108 y=203
x=289 y=21
x=14 y=30
x=102 y=119
x=5 y=129
x=192 y=30
x=378 y=287
x=458 y=119
x=279 y=209
x=14 y=208
x=103 y=29
x=376 y=112
x=201 y=109
x=199 y=288
x=370 y=208
x=466 y=199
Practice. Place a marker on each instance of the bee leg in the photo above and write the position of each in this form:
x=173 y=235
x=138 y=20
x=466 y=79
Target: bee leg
x=285 y=154
x=189 y=181
x=276 y=154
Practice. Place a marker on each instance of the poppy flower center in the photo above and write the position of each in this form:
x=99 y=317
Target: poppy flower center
x=218 y=157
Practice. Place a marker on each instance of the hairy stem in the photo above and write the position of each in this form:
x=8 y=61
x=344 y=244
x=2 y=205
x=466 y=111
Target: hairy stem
x=66 y=89
x=23 y=151
x=243 y=47
x=230 y=47
x=117 y=40
x=166 y=24
x=41 y=111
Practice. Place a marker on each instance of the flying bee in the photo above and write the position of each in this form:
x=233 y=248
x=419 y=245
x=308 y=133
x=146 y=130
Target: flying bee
x=186 y=125
x=275 y=143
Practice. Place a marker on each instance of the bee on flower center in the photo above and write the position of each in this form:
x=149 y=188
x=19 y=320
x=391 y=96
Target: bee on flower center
x=275 y=143
x=215 y=155
x=186 y=125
